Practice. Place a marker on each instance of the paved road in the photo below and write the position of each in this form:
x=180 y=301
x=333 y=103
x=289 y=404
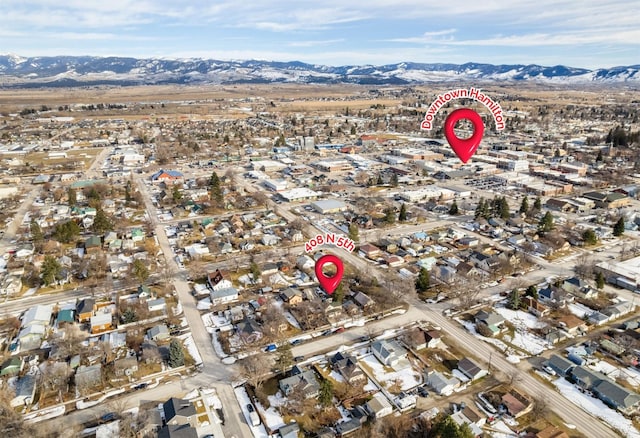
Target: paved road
x=214 y=373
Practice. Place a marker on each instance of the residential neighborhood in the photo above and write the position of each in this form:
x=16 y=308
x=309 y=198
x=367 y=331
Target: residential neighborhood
x=159 y=272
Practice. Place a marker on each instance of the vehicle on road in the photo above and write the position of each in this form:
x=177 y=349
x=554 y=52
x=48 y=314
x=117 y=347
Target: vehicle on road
x=253 y=415
x=271 y=347
x=298 y=358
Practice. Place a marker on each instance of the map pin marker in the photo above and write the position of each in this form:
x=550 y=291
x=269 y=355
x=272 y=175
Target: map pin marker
x=464 y=148
x=329 y=284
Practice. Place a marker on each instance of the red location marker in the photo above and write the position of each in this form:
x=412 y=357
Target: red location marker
x=329 y=284
x=464 y=148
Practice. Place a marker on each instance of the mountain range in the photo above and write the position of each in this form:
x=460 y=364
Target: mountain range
x=21 y=72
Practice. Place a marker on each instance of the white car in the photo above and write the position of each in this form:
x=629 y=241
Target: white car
x=549 y=370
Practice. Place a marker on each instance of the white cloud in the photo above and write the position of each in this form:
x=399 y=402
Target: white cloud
x=314 y=43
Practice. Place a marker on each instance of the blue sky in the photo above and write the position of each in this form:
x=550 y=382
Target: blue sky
x=586 y=33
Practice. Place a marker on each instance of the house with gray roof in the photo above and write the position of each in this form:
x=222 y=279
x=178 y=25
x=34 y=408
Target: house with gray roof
x=587 y=378
x=617 y=396
x=224 y=295
x=491 y=320
x=158 y=332
x=442 y=384
x=300 y=381
x=389 y=352
x=178 y=411
x=560 y=365
x=25 y=391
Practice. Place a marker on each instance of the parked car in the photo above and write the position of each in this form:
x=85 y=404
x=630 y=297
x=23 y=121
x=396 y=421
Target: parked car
x=298 y=358
x=271 y=347
x=253 y=415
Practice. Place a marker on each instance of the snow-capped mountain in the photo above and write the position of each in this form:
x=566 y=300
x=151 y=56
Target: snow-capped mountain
x=17 y=71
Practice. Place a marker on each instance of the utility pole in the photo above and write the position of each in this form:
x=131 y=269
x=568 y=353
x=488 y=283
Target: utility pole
x=490 y=356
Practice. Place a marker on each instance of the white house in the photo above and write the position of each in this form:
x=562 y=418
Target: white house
x=224 y=295
x=389 y=352
x=379 y=406
x=441 y=384
x=156 y=305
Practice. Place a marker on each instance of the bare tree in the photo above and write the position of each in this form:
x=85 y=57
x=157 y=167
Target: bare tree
x=69 y=341
x=585 y=265
x=254 y=369
x=55 y=378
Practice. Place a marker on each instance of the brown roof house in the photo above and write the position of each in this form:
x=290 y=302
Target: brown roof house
x=517 y=404
x=347 y=366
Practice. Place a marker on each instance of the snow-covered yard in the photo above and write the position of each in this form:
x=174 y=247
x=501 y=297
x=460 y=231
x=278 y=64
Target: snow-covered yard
x=520 y=318
x=190 y=345
x=213 y=321
x=243 y=400
x=597 y=408
x=527 y=342
x=408 y=377
x=271 y=416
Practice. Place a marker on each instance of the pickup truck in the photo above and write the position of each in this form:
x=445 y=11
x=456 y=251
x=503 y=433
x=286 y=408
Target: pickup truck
x=253 y=415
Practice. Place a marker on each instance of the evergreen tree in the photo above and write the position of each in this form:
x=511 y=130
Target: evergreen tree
x=480 y=209
x=50 y=270
x=389 y=215
x=140 y=270
x=326 y=392
x=546 y=223
x=379 y=181
x=537 y=205
x=285 y=357
x=423 y=280
x=338 y=294
x=618 y=228
x=394 y=180
x=176 y=354
x=66 y=231
x=216 y=190
x=599 y=158
x=599 y=280
x=36 y=233
x=402 y=216
x=504 y=208
x=524 y=206
x=453 y=211
x=354 y=232
x=71 y=194
x=176 y=194
x=446 y=427
x=514 y=299
x=532 y=291
x=255 y=271
x=589 y=237
x=101 y=223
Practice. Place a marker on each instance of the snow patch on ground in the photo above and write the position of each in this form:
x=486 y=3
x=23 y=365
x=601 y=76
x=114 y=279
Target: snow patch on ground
x=408 y=376
x=520 y=318
x=499 y=425
x=243 y=400
x=271 y=416
x=527 y=342
x=597 y=408
x=190 y=345
x=472 y=329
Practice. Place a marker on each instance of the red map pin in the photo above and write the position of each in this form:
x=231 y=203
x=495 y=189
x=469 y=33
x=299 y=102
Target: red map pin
x=329 y=284
x=464 y=148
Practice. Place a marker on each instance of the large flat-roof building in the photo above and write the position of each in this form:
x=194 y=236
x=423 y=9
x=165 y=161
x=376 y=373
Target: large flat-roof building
x=329 y=206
